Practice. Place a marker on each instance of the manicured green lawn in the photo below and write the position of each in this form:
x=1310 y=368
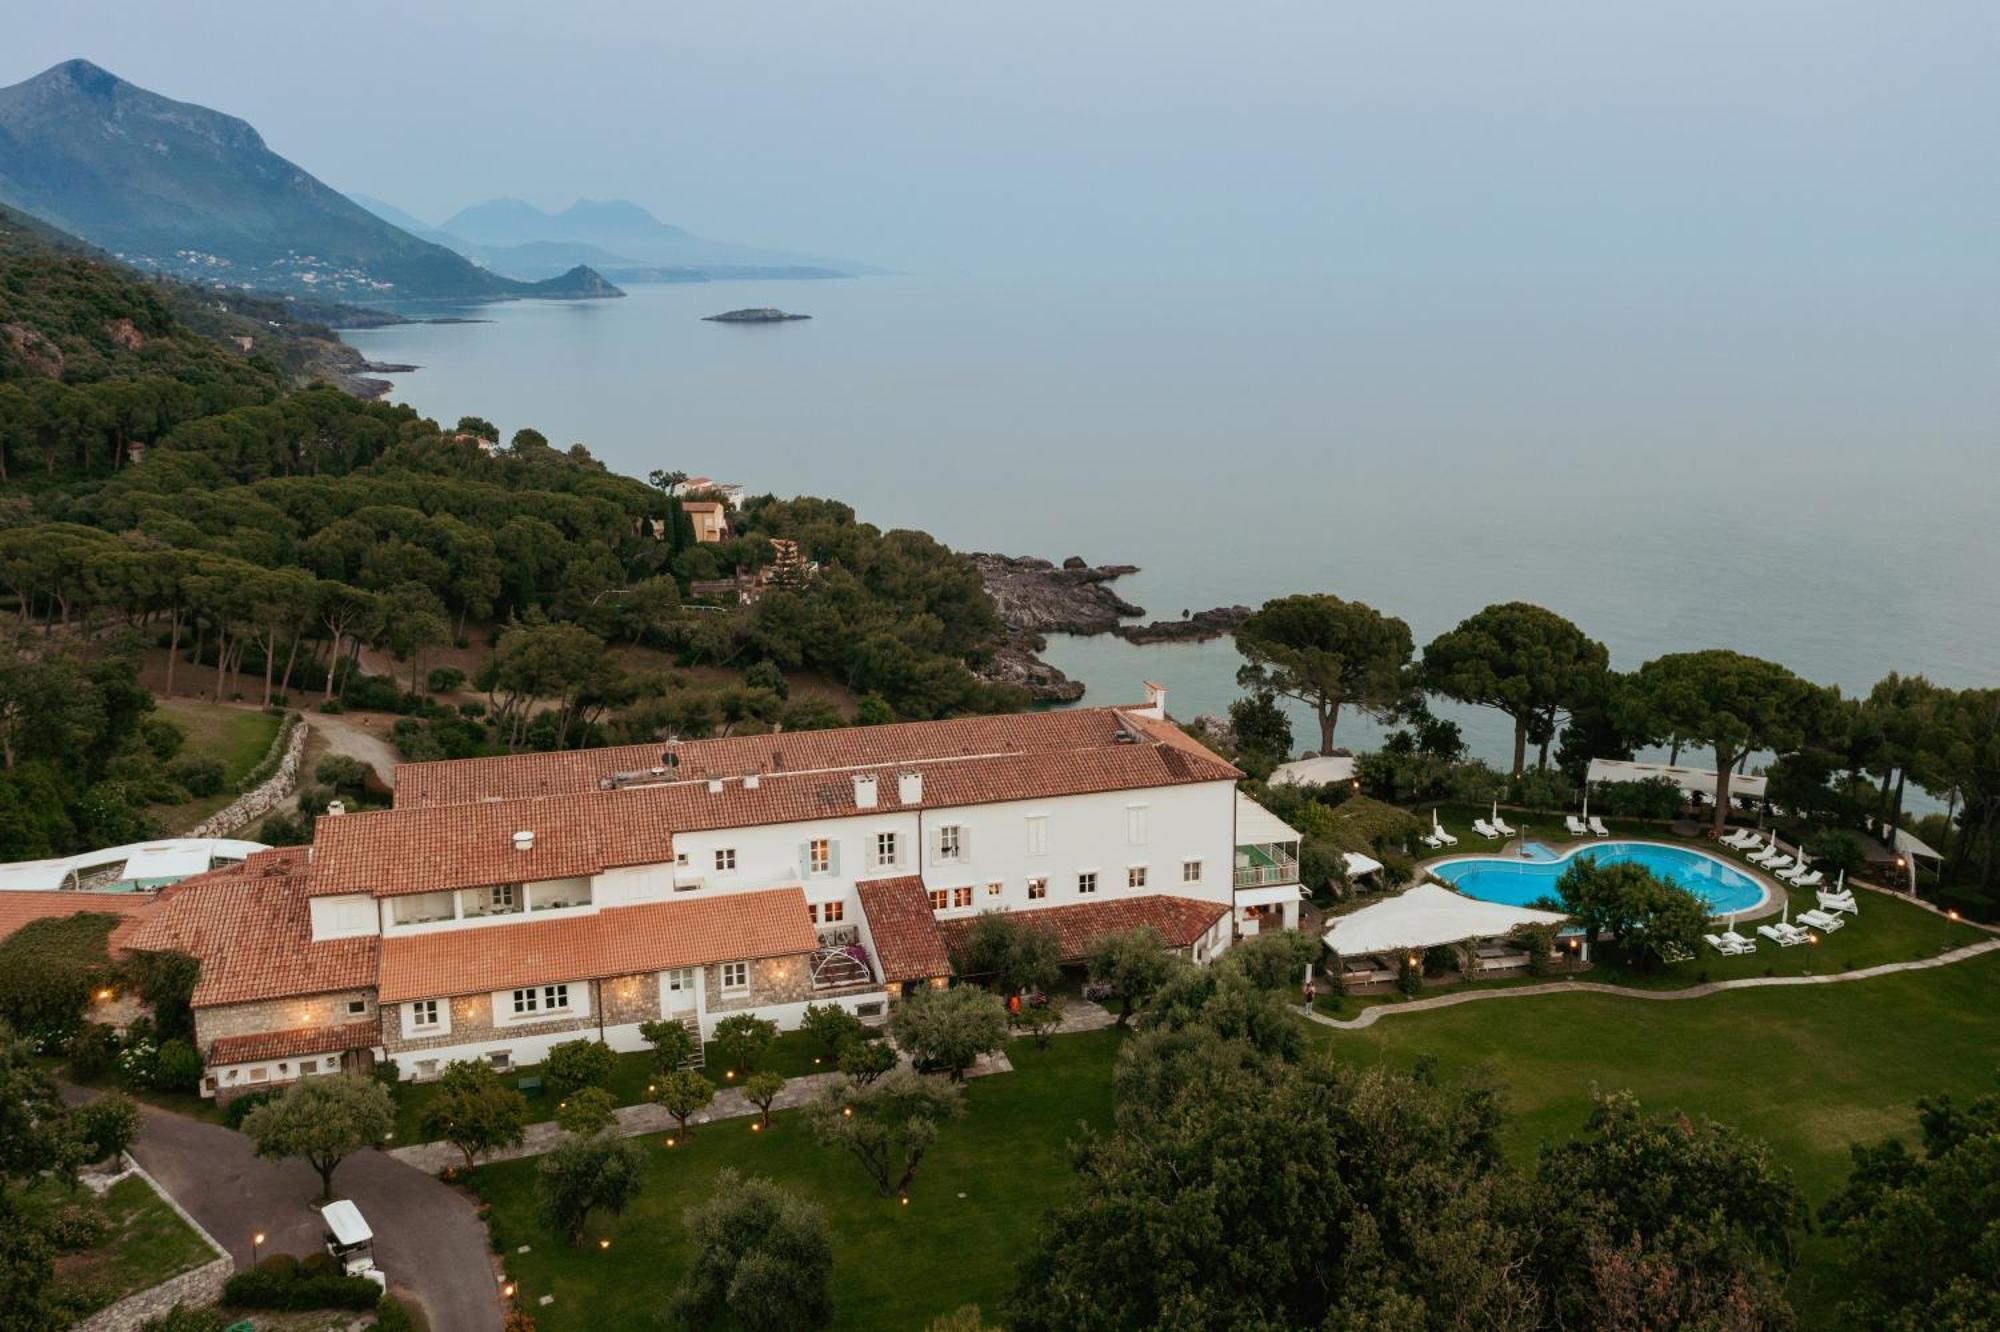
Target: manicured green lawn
x=1810 y=1069
x=981 y=1193
x=147 y=1244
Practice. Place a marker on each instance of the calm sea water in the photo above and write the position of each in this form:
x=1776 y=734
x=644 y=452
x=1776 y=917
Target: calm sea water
x=1805 y=474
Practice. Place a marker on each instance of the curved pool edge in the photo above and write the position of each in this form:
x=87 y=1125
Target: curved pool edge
x=1766 y=905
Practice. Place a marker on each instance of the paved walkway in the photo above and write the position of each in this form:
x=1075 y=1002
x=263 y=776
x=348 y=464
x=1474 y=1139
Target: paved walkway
x=1368 y=1017
x=637 y=1120
x=428 y=1238
x=356 y=739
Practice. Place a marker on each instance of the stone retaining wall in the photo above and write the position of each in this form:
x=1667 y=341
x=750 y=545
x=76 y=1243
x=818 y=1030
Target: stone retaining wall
x=201 y=1286
x=267 y=795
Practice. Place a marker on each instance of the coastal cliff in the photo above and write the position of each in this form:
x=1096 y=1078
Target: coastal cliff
x=1036 y=597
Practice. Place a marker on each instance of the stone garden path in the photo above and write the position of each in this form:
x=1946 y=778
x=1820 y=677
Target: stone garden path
x=637 y=1120
x=1368 y=1017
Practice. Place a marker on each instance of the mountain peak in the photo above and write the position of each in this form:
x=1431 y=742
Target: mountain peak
x=180 y=188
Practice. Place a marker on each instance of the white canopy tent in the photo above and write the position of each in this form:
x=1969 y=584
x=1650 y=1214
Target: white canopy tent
x=1692 y=781
x=1358 y=864
x=1426 y=916
x=1322 y=771
x=1909 y=844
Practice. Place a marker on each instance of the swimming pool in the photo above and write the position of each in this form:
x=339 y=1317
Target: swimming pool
x=1518 y=881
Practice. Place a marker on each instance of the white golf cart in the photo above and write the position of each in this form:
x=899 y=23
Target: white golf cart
x=351 y=1242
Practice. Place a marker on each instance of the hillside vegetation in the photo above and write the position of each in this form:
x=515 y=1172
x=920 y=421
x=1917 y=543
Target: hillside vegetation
x=159 y=491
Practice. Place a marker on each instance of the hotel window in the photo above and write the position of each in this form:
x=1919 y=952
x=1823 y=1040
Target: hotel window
x=962 y=897
x=885 y=849
x=951 y=842
x=940 y=899
x=681 y=859
x=1038 y=834
x=819 y=856
x=832 y=913
x=260 y=1075
x=1086 y=882
x=1135 y=825
x=542 y=999
x=357 y=1007
x=1135 y=876
x=1190 y=871
x=501 y=1059
x=1037 y=889
x=735 y=977
x=424 y=1014
x=502 y=896
x=725 y=858
x=995 y=889
x=681 y=981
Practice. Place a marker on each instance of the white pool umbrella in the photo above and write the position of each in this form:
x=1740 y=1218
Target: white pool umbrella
x=1586 y=804
x=1841 y=882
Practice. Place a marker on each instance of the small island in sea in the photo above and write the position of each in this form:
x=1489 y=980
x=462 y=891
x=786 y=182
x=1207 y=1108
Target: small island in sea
x=763 y=315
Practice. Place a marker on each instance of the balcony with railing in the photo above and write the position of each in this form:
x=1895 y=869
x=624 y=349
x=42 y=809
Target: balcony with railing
x=1268 y=865
x=841 y=960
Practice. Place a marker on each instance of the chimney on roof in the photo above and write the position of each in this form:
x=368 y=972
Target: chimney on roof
x=335 y=807
x=524 y=840
x=864 y=790
x=910 y=788
x=715 y=786
x=752 y=781
x=1156 y=701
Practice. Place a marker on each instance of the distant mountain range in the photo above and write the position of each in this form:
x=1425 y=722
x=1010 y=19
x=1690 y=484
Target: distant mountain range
x=179 y=189
x=618 y=238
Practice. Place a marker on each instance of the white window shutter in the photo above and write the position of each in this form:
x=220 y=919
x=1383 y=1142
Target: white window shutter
x=937 y=846
x=833 y=857
x=805 y=859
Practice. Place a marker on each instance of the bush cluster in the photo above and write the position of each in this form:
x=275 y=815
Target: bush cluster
x=283 y=1282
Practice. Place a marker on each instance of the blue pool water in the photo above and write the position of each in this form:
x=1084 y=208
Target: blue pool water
x=1518 y=881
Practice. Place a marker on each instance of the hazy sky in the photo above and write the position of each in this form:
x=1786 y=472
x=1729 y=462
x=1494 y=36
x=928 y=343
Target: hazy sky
x=1135 y=136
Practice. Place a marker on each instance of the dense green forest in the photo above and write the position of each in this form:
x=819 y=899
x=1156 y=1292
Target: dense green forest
x=161 y=490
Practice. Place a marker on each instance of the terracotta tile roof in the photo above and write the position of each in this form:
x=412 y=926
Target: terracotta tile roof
x=250 y=925
x=1118 y=746
x=908 y=944
x=393 y=851
x=17 y=909
x=297 y=1042
x=1078 y=927
x=618 y=941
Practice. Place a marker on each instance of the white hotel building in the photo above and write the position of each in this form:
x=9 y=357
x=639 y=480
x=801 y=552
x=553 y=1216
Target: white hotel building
x=504 y=905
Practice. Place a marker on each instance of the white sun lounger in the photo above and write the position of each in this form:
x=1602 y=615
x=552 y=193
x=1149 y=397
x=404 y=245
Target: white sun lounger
x=1743 y=839
x=1780 y=865
x=1444 y=838
x=1823 y=921
x=1502 y=827
x=1430 y=840
x=1770 y=856
x=1723 y=945
x=1781 y=936
x=1804 y=878
x=1840 y=902
x=1575 y=825
x=1485 y=829
x=1740 y=942
x=1597 y=826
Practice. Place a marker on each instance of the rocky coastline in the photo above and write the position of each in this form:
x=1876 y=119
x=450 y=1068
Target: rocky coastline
x=1036 y=597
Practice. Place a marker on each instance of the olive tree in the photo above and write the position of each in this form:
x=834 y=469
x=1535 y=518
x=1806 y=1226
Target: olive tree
x=585 y=1175
x=887 y=1125
x=947 y=1030
x=761 y=1260
x=324 y=1120
x=474 y=1110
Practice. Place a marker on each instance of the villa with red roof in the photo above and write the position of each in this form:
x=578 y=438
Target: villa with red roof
x=504 y=905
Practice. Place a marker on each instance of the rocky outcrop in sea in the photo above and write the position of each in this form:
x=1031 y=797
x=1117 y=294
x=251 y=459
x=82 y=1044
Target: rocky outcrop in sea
x=1037 y=597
